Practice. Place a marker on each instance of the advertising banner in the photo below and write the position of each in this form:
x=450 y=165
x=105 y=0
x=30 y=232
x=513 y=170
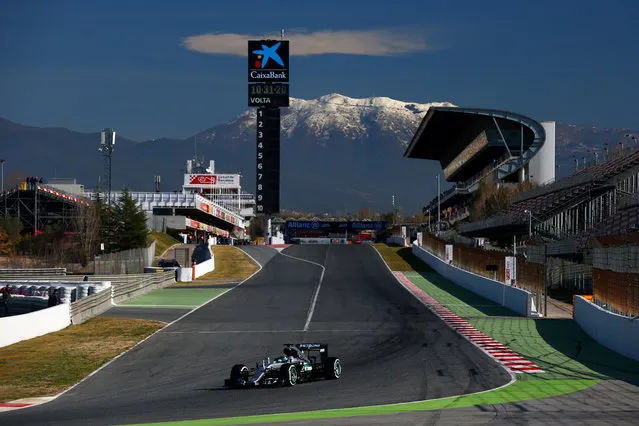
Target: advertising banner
x=211 y=181
x=449 y=253
x=336 y=226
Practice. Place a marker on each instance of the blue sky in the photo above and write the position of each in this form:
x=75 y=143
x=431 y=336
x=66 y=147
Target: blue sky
x=86 y=65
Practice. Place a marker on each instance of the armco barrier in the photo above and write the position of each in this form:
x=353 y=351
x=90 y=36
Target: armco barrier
x=139 y=284
x=32 y=271
x=27 y=326
x=616 y=332
x=516 y=299
x=91 y=306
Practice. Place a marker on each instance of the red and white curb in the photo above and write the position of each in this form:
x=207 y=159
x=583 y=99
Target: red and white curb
x=278 y=247
x=498 y=351
x=23 y=403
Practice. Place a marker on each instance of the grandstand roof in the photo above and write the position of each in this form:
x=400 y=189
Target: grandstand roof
x=447 y=132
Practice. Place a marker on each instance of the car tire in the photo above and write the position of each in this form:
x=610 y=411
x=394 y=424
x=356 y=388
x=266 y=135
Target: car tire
x=289 y=374
x=332 y=369
x=239 y=374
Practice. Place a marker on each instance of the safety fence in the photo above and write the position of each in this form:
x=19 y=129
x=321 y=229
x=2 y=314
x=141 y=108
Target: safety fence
x=489 y=264
x=617 y=292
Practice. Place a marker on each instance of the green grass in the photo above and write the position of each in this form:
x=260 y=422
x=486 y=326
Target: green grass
x=162 y=241
x=561 y=348
x=175 y=297
x=46 y=365
x=401 y=258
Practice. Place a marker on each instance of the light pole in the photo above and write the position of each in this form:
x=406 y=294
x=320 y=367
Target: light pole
x=529 y=213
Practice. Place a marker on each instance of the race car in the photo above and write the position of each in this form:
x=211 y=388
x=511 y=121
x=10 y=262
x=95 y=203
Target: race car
x=301 y=362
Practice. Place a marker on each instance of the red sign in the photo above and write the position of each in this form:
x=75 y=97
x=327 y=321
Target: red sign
x=204 y=207
x=203 y=179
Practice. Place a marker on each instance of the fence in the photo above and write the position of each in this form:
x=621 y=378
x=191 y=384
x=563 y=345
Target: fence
x=617 y=292
x=131 y=261
x=530 y=276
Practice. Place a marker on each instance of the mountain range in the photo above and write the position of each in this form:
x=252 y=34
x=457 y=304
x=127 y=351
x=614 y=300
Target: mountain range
x=338 y=154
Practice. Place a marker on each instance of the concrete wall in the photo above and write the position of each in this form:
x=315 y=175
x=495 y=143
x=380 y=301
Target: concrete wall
x=516 y=299
x=616 y=332
x=27 y=326
x=395 y=239
x=204 y=267
x=161 y=223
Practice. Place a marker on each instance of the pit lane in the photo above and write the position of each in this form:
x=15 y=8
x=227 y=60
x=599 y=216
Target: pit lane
x=391 y=347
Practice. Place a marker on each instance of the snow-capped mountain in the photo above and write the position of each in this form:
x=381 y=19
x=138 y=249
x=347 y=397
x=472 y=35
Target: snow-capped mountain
x=337 y=115
x=337 y=153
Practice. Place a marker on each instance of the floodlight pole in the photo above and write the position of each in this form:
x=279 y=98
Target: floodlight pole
x=107 y=144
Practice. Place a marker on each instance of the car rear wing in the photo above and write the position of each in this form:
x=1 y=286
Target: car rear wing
x=322 y=347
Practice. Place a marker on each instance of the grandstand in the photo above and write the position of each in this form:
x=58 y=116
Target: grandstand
x=473 y=144
x=597 y=200
x=39 y=205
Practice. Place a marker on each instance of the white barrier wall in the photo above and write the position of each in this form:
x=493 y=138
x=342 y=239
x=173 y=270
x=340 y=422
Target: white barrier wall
x=204 y=267
x=185 y=274
x=616 y=332
x=27 y=326
x=396 y=239
x=513 y=298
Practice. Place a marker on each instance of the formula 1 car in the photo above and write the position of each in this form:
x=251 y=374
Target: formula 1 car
x=299 y=364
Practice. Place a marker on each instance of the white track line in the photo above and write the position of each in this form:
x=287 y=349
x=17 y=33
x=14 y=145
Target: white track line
x=158 y=331
x=317 y=289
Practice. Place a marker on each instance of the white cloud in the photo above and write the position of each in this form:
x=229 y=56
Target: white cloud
x=349 y=42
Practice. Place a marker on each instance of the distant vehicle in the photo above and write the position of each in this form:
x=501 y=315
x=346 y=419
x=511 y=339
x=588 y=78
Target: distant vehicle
x=294 y=367
x=168 y=263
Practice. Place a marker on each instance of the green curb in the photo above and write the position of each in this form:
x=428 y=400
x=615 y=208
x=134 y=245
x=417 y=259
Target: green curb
x=516 y=392
x=175 y=297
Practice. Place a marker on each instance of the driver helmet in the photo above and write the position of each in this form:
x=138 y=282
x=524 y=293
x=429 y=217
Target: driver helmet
x=287 y=352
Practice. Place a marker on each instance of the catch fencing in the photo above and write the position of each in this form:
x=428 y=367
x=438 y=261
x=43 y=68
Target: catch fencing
x=530 y=276
x=616 y=279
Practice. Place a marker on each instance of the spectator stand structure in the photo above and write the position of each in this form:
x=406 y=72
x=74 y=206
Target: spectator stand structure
x=38 y=205
x=473 y=144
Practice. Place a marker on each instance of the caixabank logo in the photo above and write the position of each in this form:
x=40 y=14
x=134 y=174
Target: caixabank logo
x=268 y=61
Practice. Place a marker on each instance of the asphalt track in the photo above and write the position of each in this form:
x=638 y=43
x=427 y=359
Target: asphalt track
x=392 y=348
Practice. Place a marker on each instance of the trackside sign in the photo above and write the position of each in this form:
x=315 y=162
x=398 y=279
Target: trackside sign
x=211 y=181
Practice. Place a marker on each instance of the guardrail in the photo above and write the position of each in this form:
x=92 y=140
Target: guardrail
x=136 y=285
x=21 y=272
x=91 y=306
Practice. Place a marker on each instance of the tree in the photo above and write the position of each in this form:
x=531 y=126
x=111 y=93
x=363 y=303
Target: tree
x=5 y=244
x=13 y=227
x=86 y=224
x=256 y=228
x=129 y=223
